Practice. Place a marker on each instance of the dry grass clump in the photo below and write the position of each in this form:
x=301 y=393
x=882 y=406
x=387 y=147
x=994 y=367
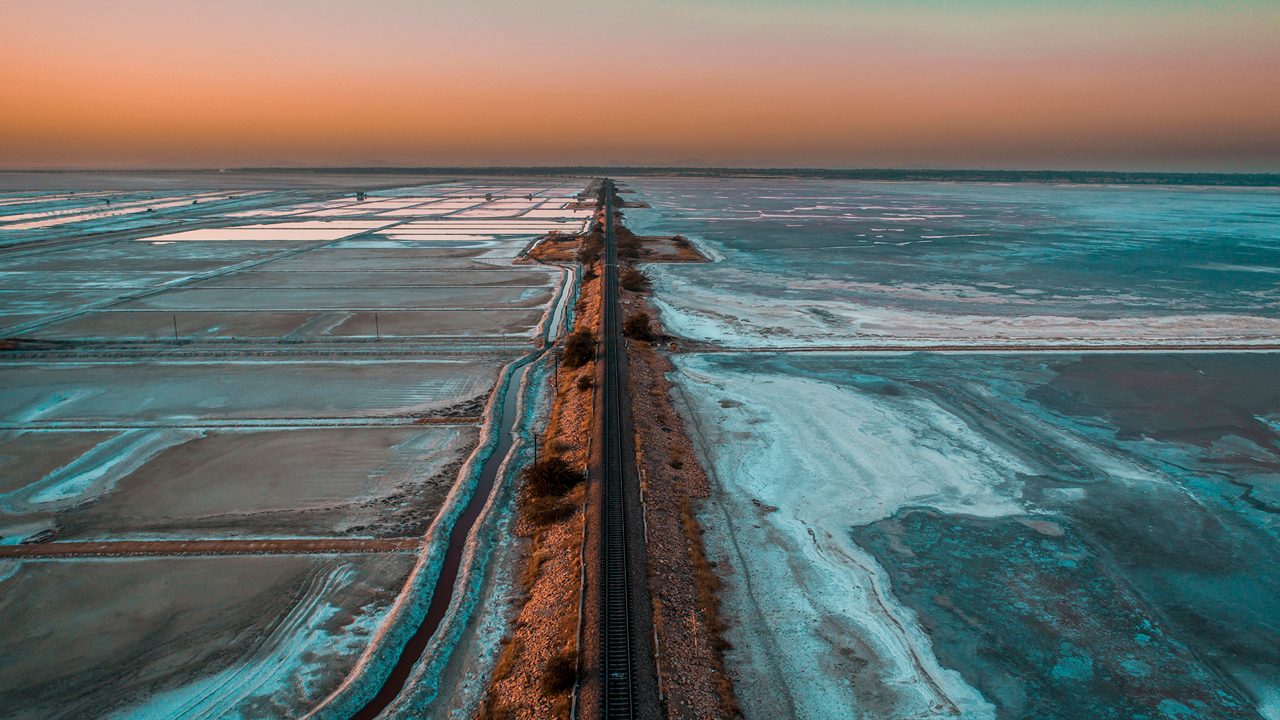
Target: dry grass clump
x=637 y=327
x=635 y=280
x=579 y=348
x=550 y=478
x=560 y=673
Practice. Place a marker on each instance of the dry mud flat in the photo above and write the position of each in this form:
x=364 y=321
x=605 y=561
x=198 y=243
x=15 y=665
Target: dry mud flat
x=97 y=261
x=203 y=484
x=382 y=278
x=185 y=637
x=40 y=285
x=343 y=298
x=1050 y=536
x=312 y=325
x=187 y=392
x=232 y=449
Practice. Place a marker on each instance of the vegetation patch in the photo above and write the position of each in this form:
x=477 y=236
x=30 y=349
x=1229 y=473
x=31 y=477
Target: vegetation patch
x=638 y=327
x=579 y=348
x=591 y=249
x=550 y=477
x=560 y=673
x=635 y=280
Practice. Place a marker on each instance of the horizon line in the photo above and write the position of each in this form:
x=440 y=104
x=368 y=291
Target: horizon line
x=625 y=166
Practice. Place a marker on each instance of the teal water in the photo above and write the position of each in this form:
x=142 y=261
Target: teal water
x=1125 y=562
x=799 y=250
x=1137 y=576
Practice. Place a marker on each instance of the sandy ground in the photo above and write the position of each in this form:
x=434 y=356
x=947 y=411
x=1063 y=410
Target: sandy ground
x=681 y=581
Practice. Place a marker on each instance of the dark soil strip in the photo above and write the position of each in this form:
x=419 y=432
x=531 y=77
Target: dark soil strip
x=131 y=548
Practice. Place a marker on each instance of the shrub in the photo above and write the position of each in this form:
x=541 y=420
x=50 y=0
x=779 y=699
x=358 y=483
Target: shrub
x=560 y=673
x=629 y=247
x=585 y=382
x=637 y=327
x=635 y=280
x=629 y=244
x=550 y=477
x=579 y=348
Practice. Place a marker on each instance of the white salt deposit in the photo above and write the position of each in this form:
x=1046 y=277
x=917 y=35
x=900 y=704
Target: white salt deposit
x=797 y=462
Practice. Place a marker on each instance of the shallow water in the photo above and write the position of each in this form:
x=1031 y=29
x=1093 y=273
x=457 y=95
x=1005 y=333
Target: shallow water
x=1038 y=534
x=1070 y=539
x=830 y=261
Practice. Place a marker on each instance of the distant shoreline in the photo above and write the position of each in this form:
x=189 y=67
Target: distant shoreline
x=1072 y=177
x=1080 y=177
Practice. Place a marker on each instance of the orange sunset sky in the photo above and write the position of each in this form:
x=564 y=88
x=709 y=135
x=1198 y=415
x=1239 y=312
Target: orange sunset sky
x=1137 y=84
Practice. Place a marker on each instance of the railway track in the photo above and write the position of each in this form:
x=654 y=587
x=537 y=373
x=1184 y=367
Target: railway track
x=617 y=636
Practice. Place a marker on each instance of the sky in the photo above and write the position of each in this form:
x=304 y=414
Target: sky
x=1125 y=85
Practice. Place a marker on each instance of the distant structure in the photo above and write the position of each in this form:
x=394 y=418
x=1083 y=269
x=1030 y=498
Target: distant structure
x=360 y=195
